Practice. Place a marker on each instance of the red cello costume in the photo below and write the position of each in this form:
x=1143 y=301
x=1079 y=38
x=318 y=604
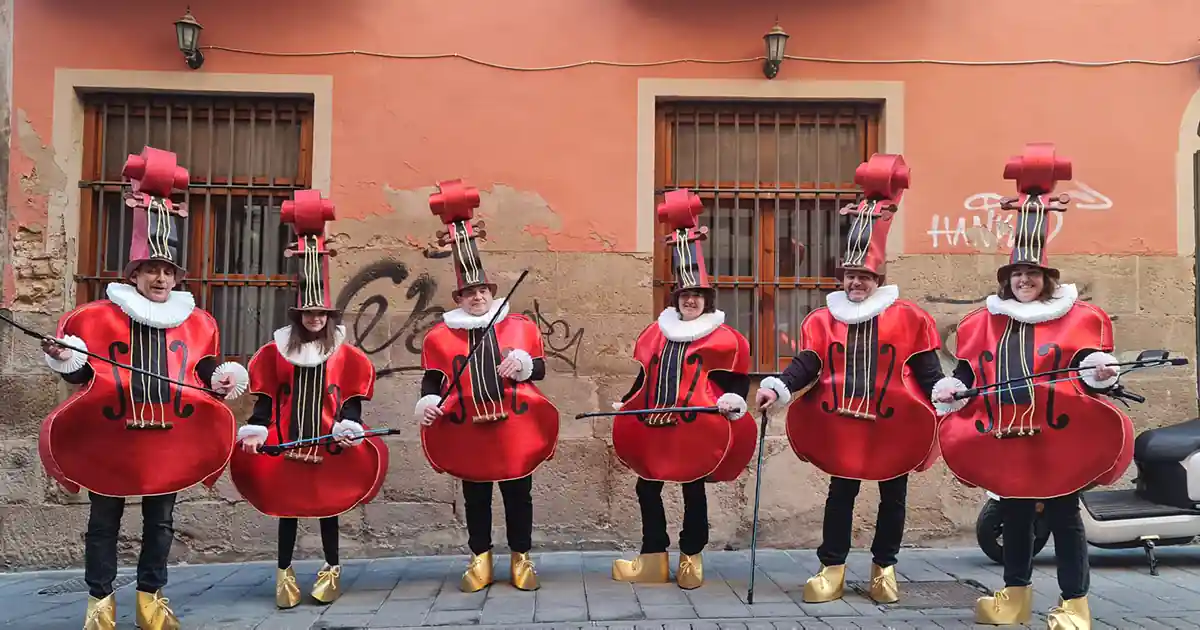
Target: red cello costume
x=125 y=433
x=306 y=390
x=864 y=377
x=1036 y=438
x=493 y=429
x=698 y=362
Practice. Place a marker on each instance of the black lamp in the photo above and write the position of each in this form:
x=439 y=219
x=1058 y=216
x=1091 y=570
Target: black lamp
x=776 y=41
x=187 y=30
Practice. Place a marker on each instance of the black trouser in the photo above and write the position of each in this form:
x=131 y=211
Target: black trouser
x=100 y=543
x=1070 y=542
x=694 y=534
x=287 y=540
x=518 y=514
x=839 y=519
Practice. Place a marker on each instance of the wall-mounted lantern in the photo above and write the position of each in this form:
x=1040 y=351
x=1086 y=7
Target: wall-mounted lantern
x=187 y=30
x=776 y=41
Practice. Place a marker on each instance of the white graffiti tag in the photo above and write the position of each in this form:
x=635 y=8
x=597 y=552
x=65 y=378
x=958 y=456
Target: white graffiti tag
x=986 y=226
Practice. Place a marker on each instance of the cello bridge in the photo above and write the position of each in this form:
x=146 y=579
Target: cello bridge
x=661 y=420
x=1008 y=434
x=484 y=418
x=143 y=425
x=305 y=458
x=857 y=415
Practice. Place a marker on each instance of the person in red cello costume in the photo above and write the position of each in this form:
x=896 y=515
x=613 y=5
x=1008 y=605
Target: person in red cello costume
x=493 y=425
x=1056 y=438
x=689 y=358
x=309 y=383
x=128 y=434
x=862 y=384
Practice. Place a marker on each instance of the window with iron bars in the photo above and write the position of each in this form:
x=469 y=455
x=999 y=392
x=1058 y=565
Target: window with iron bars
x=773 y=178
x=245 y=157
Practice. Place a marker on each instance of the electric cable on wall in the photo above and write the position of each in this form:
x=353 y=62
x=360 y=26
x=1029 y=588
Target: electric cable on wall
x=668 y=62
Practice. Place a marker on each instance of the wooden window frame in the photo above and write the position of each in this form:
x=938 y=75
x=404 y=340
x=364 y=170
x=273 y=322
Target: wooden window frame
x=770 y=285
x=205 y=194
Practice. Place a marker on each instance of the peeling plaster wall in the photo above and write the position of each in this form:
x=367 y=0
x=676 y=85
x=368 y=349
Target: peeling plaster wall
x=554 y=160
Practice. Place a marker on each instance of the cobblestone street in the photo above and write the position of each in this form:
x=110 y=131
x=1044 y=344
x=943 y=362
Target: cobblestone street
x=938 y=588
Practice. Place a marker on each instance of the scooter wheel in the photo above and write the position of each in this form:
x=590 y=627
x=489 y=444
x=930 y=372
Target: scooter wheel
x=989 y=532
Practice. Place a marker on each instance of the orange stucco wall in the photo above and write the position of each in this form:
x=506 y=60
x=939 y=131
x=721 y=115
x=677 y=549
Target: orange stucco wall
x=570 y=135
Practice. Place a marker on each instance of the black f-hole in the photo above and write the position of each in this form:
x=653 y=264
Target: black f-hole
x=1061 y=421
x=456 y=367
x=985 y=357
x=281 y=392
x=647 y=387
x=690 y=416
x=889 y=350
x=115 y=349
x=833 y=389
x=181 y=410
x=519 y=407
x=333 y=390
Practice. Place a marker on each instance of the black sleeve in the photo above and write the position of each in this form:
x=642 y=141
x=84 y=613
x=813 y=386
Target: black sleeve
x=205 y=369
x=431 y=384
x=637 y=384
x=261 y=415
x=962 y=372
x=732 y=383
x=80 y=376
x=802 y=371
x=927 y=369
x=352 y=410
x=539 y=370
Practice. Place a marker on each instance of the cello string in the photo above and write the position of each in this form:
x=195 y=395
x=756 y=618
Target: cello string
x=1004 y=373
x=494 y=400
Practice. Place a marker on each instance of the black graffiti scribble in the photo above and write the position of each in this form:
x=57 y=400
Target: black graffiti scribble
x=421 y=317
x=562 y=349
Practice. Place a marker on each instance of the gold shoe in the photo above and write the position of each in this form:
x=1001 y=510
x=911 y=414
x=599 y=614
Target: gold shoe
x=478 y=574
x=884 y=589
x=826 y=586
x=691 y=572
x=326 y=589
x=101 y=613
x=153 y=612
x=1010 y=606
x=287 y=592
x=1071 y=614
x=646 y=568
x=522 y=574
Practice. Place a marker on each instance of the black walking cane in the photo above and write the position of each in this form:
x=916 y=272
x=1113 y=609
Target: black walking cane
x=762 y=443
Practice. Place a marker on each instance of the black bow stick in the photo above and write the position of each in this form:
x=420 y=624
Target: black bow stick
x=1135 y=365
x=644 y=412
x=329 y=439
x=762 y=443
x=41 y=337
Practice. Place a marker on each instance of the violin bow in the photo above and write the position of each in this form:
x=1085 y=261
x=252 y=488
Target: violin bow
x=644 y=412
x=39 y=336
x=1135 y=365
x=277 y=449
x=479 y=342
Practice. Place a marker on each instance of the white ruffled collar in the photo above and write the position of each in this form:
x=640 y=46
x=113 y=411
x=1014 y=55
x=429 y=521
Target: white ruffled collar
x=675 y=329
x=139 y=308
x=459 y=319
x=849 y=313
x=1036 y=312
x=310 y=353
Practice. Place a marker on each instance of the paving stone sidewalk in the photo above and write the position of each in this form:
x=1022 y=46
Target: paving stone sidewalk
x=939 y=587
